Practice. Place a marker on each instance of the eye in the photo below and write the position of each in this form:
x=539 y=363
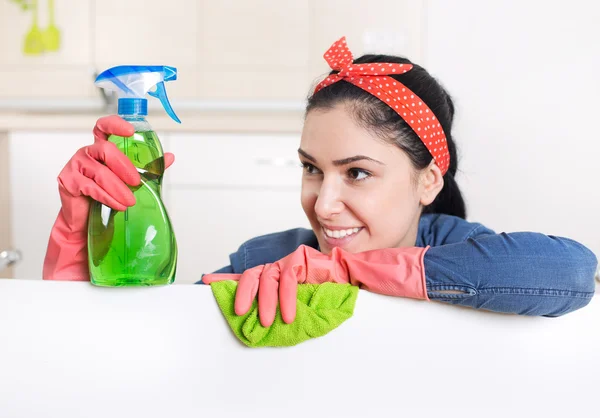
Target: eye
x=358 y=174
x=309 y=168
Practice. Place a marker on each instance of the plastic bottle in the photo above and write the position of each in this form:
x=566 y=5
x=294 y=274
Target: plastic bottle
x=135 y=247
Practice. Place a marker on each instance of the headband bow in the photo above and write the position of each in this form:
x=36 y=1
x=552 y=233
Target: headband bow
x=374 y=78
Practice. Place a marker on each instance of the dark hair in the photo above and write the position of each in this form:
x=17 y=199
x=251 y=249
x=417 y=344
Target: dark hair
x=374 y=115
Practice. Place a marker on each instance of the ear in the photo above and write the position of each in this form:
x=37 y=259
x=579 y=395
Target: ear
x=431 y=182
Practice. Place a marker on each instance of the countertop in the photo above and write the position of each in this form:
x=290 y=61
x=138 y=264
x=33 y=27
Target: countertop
x=78 y=350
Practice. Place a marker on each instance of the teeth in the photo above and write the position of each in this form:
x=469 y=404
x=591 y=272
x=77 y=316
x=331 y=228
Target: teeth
x=340 y=233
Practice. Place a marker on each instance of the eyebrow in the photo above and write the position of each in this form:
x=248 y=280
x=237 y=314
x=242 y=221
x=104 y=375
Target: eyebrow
x=344 y=161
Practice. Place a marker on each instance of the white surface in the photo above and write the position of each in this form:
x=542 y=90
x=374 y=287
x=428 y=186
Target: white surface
x=243 y=161
x=36 y=160
x=209 y=226
x=73 y=350
x=226 y=189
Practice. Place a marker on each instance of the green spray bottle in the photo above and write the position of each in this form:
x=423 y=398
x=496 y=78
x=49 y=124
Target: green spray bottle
x=135 y=247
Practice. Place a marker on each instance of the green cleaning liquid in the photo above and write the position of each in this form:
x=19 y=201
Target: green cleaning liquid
x=135 y=247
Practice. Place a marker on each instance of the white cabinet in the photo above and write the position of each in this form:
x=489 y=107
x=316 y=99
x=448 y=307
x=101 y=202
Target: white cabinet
x=239 y=160
x=5 y=231
x=225 y=189
x=36 y=159
x=210 y=223
x=221 y=191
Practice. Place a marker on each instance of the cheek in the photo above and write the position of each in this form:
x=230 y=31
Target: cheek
x=366 y=206
x=387 y=212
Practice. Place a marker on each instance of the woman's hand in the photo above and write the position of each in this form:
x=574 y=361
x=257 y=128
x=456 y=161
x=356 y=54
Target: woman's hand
x=389 y=271
x=101 y=172
x=278 y=282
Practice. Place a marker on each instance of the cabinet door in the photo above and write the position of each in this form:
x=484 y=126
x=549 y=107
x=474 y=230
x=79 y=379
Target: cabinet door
x=5 y=213
x=227 y=49
x=225 y=189
x=167 y=35
x=36 y=159
x=211 y=223
x=239 y=189
x=254 y=49
x=235 y=160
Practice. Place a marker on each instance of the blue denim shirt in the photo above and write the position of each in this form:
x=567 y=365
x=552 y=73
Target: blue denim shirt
x=524 y=273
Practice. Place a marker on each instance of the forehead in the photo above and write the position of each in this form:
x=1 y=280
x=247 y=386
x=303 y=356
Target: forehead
x=335 y=131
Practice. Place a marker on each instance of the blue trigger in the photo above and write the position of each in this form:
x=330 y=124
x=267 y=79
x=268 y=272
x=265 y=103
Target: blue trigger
x=161 y=94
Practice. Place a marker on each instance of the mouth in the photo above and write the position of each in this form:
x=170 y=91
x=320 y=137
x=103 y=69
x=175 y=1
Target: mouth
x=340 y=237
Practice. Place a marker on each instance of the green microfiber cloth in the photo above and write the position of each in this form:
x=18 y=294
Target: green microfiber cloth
x=320 y=309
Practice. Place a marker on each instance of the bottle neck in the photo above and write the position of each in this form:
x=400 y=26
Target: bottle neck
x=134 y=111
x=133 y=118
x=133 y=108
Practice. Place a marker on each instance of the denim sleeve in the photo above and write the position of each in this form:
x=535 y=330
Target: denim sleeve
x=439 y=229
x=523 y=273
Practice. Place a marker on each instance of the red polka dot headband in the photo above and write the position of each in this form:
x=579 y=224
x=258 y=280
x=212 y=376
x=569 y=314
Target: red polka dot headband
x=373 y=78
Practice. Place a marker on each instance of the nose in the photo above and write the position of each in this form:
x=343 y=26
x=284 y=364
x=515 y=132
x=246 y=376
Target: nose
x=329 y=199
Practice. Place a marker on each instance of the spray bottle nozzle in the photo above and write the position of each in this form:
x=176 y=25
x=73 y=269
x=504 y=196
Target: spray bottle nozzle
x=133 y=82
x=170 y=73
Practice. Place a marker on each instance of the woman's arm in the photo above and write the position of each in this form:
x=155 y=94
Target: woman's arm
x=524 y=273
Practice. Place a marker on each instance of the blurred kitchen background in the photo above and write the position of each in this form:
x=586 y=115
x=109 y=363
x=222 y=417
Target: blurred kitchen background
x=523 y=74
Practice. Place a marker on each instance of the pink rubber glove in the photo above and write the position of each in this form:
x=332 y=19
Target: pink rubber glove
x=390 y=271
x=98 y=171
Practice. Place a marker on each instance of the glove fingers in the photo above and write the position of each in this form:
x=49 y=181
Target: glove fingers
x=268 y=295
x=169 y=159
x=112 y=125
x=115 y=125
x=247 y=289
x=108 y=182
x=219 y=277
x=108 y=153
x=90 y=188
x=288 y=291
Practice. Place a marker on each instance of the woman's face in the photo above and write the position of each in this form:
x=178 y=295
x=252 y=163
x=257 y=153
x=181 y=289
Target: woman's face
x=358 y=192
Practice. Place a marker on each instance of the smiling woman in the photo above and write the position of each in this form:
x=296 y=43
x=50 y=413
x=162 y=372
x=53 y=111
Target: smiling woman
x=361 y=191
x=386 y=213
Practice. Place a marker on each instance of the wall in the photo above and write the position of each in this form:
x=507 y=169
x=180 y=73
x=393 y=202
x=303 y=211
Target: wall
x=524 y=77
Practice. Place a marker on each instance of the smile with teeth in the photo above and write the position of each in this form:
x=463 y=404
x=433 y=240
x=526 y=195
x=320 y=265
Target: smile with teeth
x=340 y=233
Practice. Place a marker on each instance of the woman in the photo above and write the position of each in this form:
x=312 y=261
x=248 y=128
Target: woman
x=379 y=191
